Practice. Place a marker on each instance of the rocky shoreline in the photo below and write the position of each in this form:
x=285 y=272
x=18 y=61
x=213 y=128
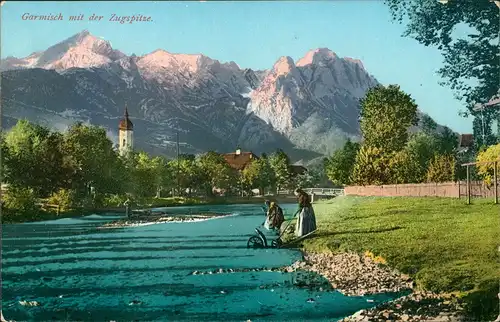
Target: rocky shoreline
x=356 y=275
x=150 y=219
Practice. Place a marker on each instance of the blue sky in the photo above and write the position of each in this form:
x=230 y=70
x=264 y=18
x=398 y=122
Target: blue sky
x=252 y=34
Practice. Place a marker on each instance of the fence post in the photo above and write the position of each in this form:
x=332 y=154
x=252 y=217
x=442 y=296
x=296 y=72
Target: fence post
x=495 y=180
x=459 y=188
x=468 y=186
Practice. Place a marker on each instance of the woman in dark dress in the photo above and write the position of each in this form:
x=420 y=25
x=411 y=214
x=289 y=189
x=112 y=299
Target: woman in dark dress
x=306 y=221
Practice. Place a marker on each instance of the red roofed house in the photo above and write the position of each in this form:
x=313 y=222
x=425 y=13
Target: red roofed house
x=239 y=160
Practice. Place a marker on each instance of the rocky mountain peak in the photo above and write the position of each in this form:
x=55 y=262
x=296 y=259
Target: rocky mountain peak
x=284 y=65
x=311 y=105
x=163 y=59
x=82 y=50
x=315 y=56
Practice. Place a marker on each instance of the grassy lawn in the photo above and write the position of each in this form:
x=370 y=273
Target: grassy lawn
x=444 y=244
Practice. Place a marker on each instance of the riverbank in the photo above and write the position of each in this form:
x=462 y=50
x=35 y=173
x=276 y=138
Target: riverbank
x=181 y=201
x=448 y=251
x=13 y=217
x=359 y=275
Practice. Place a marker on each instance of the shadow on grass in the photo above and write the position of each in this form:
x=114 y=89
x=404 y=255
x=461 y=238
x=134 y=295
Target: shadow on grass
x=482 y=305
x=376 y=215
x=358 y=231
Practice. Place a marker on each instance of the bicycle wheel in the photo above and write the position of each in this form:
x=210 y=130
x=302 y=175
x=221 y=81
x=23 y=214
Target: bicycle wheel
x=255 y=242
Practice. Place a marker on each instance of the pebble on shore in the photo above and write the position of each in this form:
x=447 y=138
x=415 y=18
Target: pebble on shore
x=358 y=275
x=354 y=275
x=144 y=220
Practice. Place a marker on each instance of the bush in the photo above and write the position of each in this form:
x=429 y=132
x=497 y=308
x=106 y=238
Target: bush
x=441 y=169
x=66 y=199
x=371 y=167
x=20 y=200
x=405 y=168
x=486 y=170
x=115 y=200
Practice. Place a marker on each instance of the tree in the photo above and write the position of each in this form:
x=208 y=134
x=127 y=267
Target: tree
x=372 y=166
x=21 y=200
x=486 y=138
x=471 y=64
x=33 y=158
x=441 y=169
x=90 y=155
x=447 y=141
x=145 y=180
x=280 y=163
x=485 y=171
x=258 y=174
x=405 y=168
x=64 y=198
x=189 y=175
x=386 y=114
x=422 y=148
x=163 y=174
x=339 y=166
x=429 y=126
x=310 y=178
x=215 y=172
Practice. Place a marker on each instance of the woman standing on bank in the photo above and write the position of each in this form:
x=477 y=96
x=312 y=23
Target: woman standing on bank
x=306 y=222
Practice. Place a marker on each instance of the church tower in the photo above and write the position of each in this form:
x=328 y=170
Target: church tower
x=126 y=133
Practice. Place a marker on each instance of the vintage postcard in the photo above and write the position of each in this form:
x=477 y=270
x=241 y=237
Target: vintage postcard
x=250 y=160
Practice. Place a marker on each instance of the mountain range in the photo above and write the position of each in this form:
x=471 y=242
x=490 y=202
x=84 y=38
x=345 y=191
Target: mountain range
x=308 y=107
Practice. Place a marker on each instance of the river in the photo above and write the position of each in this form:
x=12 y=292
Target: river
x=77 y=272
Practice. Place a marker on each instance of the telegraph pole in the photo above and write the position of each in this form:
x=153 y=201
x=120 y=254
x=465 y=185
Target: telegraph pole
x=178 y=165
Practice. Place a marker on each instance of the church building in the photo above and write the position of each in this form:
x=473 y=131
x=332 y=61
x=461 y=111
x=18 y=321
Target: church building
x=126 y=134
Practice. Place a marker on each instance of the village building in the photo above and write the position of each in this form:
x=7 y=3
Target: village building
x=239 y=160
x=125 y=134
x=466 y=141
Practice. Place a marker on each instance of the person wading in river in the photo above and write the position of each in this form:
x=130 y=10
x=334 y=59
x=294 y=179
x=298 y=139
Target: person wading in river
x=275 y=215
x=306 y=221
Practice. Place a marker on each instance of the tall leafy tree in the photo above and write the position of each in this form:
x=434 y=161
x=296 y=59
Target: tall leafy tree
x=33 y=158
x=441 y=168
x=386 y=114
x=215 y=172
x=372 y=166
x=259 y=174
x=91 y=156
x=280 y=164
x=187 y=175
x=422 y=148
x=145 y=181
x=471 y=63
x=162 y=173
x=447 y=142
x=406 y=168
x=429 y=126
x=339 y=166
x=483 y=132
